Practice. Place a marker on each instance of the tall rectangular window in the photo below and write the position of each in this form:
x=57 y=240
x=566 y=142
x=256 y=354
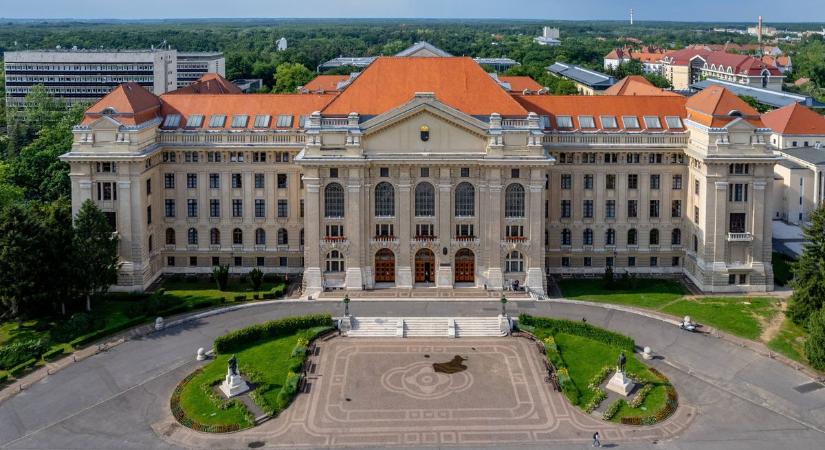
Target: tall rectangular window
x=170 y=207
x=654 y=181
x=236 y=180
x=237 y=207
x=610 y=181
x=654 y=208
x=282 y=184
x=191 y=207
x=214 y=181
x=677 y=182
x=738 y=193
x=260 y=208
x=632 y=208
x=676 y=208
x=610 y=209
x=633 y=181
x=191 y=180
x=565 y=209
x=214 y=207
x=259 y=181
x=588 y=181
x=283 y=211
x=169 y=180
x=566 y=181
x=737 y=223
x=587 y=211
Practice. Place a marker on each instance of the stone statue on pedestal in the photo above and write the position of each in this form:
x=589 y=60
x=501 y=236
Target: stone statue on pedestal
x=620 y=364
x=233 y=365
x=233 y=384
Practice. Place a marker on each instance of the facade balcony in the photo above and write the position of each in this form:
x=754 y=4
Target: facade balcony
x=740 y=237
x=335 y=238
x=425 y=239
x=384 y=238
x=514 y=239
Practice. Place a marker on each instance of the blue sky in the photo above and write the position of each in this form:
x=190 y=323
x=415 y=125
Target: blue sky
x=693 y=10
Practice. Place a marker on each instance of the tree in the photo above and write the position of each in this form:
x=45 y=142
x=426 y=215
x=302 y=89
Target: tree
x=256 y=277
x=94 y=253
x=56 y=262
x=754 y=103
x=9 y=193
x=808 y=280
x=658 y=80
x=289 y=76
x=20 y=262
x=815 y=344
x=221 y=275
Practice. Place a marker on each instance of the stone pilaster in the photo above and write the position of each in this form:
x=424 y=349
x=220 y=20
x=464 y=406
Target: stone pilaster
x=491 y=234
x=535 y=210
x=718 y=233
x=354 y=231
x=403 y=276
x=444 y=276
x=313 y=278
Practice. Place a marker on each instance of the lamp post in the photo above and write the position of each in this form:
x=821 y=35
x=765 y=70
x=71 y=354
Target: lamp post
x=346 y=305
x=503 y=303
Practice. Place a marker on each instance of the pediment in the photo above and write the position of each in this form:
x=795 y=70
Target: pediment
x=403 y=135
x=428 y=104
x=105 y=123
x=740 y=124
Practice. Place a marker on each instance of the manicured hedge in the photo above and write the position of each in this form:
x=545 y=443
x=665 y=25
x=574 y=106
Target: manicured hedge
x=554 y=326
x=20 y=368
x=18 y=352
x=93 y=336
x=53 y=353
x=275 y=328
x=3 y=377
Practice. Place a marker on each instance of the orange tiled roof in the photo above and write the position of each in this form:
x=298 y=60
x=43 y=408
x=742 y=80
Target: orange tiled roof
x=712 y=107
x=325 y=83
x=520 y=83
x=295 y=105
x=794 y=119
x=131 y=103
x=603 y=105
x=209 y=83
x=390 y=82
x=636 y=85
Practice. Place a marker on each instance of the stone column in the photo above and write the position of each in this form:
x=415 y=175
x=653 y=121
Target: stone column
x=719 y=232
x=353 y=230
x=403 y=277
x=491 y=234
x=535 y=257
x=313 y=278
x=758 y=201
x=444 y=276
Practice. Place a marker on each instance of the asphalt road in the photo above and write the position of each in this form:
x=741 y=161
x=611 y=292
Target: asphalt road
x=744 y=400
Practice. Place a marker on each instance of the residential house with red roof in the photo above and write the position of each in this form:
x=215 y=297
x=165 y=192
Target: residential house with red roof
x=427 y=171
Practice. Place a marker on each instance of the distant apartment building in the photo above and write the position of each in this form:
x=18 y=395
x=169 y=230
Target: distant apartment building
x=85 y=76
x=685 y=67
x=549 y=36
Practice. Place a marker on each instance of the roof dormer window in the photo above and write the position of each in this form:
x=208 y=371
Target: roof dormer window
x=171 y=121
x=284 y=121
x=194 y=121
x=564 y=121
x=586 y=122
x=262 y=121
x=217 y=120
x=652 y=122
x=609 y=122
x=239 y=121
x=108 y=111
x=673 y=122
x=630 y=121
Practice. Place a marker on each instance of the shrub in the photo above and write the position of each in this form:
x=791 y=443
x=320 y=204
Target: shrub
x=269 y=296
x=3 y=377
x=609 y=281
x=13 y=354
x=53 y=353
x=95 y=335
x=20 y=368
x=221 y=275
x=640 y=396
x=275 y=328
x=240 y=298
x=611 y=410
x=554 y=326
x=300 y=347
x=595 y=401
x=78 y=324
x=815 y=344
x=597 y=379
x=256 y=277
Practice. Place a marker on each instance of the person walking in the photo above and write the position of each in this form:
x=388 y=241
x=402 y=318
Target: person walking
x=596 y=442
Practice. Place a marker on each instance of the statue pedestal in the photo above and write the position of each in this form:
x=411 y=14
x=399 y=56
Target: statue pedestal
x=233 y=385
x=620 y=384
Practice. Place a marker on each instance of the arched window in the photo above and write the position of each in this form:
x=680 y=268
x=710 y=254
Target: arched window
x=465 y=200
x=333 y=200
x=632 y=237
x=237 y=236
x=214 y=236
x=335 y=261
x=654 y=237
x=424 y=200
x=514 y=201
x=283 y=237
x=302 y=237
x=260 y=236
x=170 y=236
x=514 y=262
x=676 y=237
x=610 y=237
x=566 y=237
x=384 y=200
x=192 y=236
x=587 y=236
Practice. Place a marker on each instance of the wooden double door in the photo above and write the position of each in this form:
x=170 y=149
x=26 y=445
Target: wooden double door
x=465 y=266
x=385 y=266
x=424 y=266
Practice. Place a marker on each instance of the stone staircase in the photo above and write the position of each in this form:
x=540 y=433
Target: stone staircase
x=412 y=327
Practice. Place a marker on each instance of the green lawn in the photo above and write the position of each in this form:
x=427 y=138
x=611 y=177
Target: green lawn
x=198 y=289
x=781 y=268
x=790 y=341
x=645 y=292
x=736 y=315
x=265 y=364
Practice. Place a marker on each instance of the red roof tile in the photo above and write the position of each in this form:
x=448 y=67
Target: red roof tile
x=636 y=85
x=129 y=104
x=390 y=82
x=603 y=105
x=325 y=83
x=520 y=83
x=794 y=119
x=713 y=107
x=209 y=83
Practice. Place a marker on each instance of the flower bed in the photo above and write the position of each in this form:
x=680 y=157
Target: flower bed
x=612 y=409
x=598 y=396
x=182 y=418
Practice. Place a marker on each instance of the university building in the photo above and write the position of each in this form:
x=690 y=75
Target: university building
x=427 y=171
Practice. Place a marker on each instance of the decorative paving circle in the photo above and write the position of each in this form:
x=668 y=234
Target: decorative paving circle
x=418 y=380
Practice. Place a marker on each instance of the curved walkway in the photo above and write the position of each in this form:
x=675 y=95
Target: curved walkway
x=111 y=400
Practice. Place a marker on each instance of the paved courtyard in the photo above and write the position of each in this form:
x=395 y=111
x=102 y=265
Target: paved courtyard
x=384 y=392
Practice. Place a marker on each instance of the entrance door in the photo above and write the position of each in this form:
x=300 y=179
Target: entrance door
x=465 y=266
x=385 y=266
x=424 y=266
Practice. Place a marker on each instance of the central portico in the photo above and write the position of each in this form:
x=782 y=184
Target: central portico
x=425 y=193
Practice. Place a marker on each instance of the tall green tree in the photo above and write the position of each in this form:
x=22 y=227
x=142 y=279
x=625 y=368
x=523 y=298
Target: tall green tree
x=94 y=253
x=56 y=261
x=815 y=344
x=9 y=193
x=21 y=245
x=289 y=76
x=808 y=280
